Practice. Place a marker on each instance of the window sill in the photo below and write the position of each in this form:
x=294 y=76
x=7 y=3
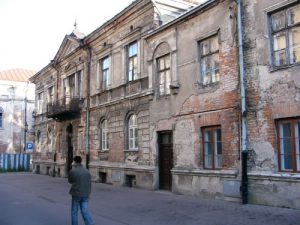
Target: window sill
x=131 y=150
x=205 y=172
x=278 y=176
x=278 y=68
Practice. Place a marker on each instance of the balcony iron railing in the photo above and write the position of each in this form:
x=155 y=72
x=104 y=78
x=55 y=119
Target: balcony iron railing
x=66 y=108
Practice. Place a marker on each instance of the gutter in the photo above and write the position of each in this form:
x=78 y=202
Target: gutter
x=244 y=143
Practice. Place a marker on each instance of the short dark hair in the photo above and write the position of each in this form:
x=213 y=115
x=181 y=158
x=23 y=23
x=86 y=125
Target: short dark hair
x=77 y=159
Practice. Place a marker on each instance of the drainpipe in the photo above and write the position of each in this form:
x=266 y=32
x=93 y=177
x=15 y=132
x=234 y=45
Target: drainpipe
x=244 y=144
x=54 y=65
x=89 y=50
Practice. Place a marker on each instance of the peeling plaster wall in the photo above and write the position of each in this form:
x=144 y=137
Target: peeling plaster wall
x=192 y=107
x=272 y=94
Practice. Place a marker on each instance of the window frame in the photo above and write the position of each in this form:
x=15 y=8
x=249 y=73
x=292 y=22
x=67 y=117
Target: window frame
x=160 y=72
x=40 y=100
x=287 y=30
x=105 y=72
x=132 y=125
x=213 y=142
x=50 y=95
x=49 y=140
x=104 y=131
x=209 y=55
x=134 y=59
x=293 y=123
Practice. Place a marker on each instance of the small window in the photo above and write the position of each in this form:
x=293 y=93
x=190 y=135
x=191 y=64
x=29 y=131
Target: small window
x=132 y=133
x=212 y=145
x=209 y=60
x=285 y=32
x=1 y=117
x=104 y=135
x=132 y=61
x=105 y=71
x=289 y=142
x=164 y=74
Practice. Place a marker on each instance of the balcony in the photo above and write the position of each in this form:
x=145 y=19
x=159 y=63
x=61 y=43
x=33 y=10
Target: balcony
x=65 y=109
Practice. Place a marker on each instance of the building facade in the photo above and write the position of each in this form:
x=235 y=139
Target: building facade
x=172 y=95
x=16 y=107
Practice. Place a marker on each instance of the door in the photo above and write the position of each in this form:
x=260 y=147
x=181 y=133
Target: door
x=165 y=143
x=70 y=147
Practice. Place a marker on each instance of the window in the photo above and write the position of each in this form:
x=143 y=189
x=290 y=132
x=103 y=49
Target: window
x=40 y=103
x=104 y=135
x=285 y=31
x=164 y=74
x=132 y=133
x=38 y=141
x=209 y=60
x=1 y=117
x=289 y=142
x=73 y=86
x=105 y=62
x=132 y=61
x=49 y=140
x=50 y=95
x=212 y=145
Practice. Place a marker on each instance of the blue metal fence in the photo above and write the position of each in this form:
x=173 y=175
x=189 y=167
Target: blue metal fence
x=14 y=162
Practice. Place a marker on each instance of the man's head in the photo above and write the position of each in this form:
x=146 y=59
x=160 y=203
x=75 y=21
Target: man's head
x=77 y=159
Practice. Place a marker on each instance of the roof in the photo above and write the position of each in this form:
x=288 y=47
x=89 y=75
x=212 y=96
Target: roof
x=20 y=75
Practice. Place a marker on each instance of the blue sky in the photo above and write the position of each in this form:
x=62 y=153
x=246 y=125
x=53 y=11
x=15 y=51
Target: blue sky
x=31 y=31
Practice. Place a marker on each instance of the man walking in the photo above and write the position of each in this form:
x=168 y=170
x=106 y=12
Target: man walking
x=80 y=178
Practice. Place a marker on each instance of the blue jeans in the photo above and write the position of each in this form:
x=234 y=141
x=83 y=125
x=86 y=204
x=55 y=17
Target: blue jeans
x=83 y=203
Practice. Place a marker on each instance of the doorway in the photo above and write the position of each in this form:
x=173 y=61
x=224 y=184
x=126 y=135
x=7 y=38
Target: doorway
x=165 y=145
x=69 y=147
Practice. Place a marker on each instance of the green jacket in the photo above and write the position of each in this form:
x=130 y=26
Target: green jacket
x=80 y=178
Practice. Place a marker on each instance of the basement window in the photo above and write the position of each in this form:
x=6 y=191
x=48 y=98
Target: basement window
x=285 y=32
x=288 y=134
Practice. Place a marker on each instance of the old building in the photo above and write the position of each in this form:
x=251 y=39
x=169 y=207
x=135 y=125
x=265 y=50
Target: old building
x=173 y=94
x=272 y=68
x=16 y=107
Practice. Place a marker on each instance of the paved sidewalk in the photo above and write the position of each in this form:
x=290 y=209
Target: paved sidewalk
x=30 y=199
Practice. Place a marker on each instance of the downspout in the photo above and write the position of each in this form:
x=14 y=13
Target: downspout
x=89 y=51
x=57 y=132
x=244 y=144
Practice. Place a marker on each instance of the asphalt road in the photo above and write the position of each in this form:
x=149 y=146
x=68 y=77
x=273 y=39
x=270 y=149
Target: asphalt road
x=30 y=199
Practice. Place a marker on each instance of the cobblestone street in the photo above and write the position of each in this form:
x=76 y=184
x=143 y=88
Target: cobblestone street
x=30 y=199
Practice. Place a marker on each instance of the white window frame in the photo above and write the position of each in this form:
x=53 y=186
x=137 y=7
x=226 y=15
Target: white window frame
x=104 y=135
x=132 y=132
x=164 y=76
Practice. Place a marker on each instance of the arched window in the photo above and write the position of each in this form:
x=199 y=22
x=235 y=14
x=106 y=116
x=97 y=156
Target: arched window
x=38 y=141
x=162 y=63
x=132 y=133
x=1 y=117
x=104 y=135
